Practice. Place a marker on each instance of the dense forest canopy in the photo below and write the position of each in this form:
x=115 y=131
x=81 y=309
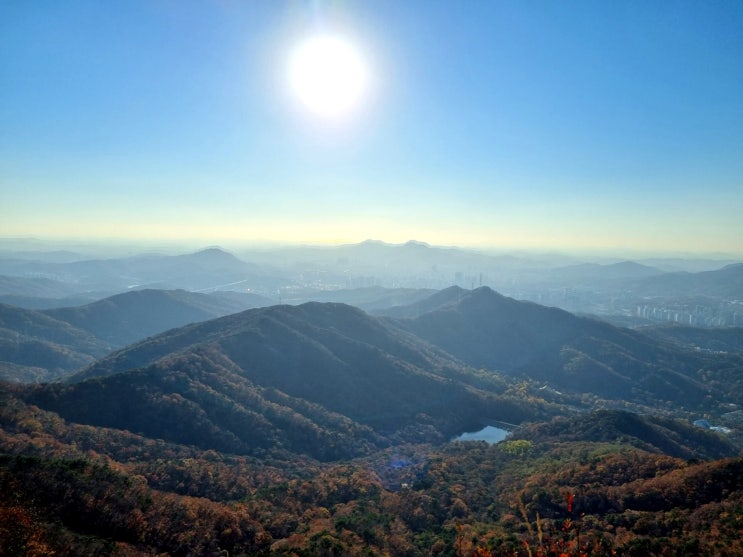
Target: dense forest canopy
x=319 y=429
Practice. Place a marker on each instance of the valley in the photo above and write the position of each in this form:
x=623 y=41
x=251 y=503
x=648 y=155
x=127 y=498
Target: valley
x=189 y=423
x=371 y=279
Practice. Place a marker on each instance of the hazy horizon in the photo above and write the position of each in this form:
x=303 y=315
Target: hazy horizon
x=589 y=128
x=115 y=247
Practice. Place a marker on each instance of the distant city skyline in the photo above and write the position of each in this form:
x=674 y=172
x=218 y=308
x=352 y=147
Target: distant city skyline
x=614 y=127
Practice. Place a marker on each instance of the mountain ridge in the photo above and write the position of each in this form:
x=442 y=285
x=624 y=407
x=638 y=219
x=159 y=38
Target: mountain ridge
x=37 y=347
x=131 y=316
x=334 y=357
x=485 y=329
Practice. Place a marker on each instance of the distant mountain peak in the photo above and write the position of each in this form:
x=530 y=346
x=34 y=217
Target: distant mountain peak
x=486 y=291
x=214 y=256
x=416 y=244
x=732 y=266
x=458 y=294
x=634 y=265
x=437 y=301
x=213 y=251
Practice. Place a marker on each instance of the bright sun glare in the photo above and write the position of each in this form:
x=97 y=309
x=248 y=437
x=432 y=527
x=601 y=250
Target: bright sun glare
x=328 y=75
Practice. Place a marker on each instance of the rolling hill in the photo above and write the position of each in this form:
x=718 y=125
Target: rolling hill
x=210 y=269
x=728 y=339
x=594 y=273
x=725 y=283
x=126 y=318
x=485 y=329
x=676 y=438
x=319 y=429
x=372 y=299
x=36 y=347
x=326 y=379
x=478 y=328
x=21 y=287
x=434 y=302
x=249 y=381
x=601 y=481
x=47 y=345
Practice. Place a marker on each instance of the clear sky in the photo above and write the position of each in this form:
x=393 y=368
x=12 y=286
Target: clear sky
x=558 y=125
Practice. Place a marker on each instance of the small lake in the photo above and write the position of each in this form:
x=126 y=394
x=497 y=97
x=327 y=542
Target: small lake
x=489 y=433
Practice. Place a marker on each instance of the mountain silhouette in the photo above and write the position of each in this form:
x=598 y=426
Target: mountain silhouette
x=323 y=379
x=485 y=329
x=656 y=434
x=725 y=283
x=126 y=318
x=436 y=301
x=594 y=273
x=206 y=270
x=331 y=381
x=37 y=347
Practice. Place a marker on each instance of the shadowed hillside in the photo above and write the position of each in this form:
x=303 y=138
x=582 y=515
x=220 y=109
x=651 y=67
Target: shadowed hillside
x=132 y=316
x=598 y=485
x=443 y=298
x=36 y=347
x=485 y=329
x=326 y=379
x=668 y=436
x=715 y=340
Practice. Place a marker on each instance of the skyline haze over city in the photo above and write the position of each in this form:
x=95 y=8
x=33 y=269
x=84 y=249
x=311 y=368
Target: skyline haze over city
x=505 y=125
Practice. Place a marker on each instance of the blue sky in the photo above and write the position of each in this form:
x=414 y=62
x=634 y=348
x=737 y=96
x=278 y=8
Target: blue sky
x=611 y=126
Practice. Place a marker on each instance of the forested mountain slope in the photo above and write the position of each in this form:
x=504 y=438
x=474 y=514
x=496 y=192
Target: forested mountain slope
x=126 y=318
x=326 y=379
x=485 y=329
x=727 y=339
x=80 y=490
x=36 y=347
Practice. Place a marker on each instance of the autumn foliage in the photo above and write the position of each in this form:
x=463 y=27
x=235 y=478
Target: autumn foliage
x=68 y=489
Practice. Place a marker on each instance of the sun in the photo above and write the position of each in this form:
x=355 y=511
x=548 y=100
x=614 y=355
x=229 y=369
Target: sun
x=328 y=75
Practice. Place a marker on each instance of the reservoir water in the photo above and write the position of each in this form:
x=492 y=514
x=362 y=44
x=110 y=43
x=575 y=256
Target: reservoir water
x=489 y=433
